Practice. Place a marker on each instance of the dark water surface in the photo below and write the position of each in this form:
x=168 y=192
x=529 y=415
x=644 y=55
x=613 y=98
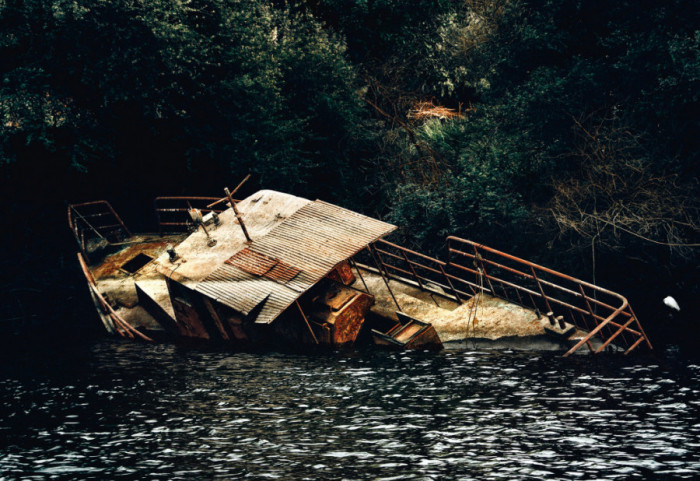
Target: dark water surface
x=108 y=409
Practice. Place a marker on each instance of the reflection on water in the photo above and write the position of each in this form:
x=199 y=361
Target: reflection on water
x=117 y=410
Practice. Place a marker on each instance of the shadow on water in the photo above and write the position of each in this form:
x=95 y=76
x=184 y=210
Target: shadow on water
x=105 y=409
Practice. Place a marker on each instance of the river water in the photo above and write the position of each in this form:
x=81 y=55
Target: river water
x=106 y=409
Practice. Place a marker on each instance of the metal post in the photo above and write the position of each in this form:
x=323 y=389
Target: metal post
x=353 y=263
x=641 y=329
x=232 y=193
x=583 y=318
x=307 y=322
x=539 y=286
x=415 y=274
x=238 y=215
x=449 y=282
x=381 y=273
x=477 y=257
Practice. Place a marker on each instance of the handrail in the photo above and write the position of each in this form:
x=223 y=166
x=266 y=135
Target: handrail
x=432 y=271
x=619 y=322
x=80 y=222
x=128 y=330
x=590 y=308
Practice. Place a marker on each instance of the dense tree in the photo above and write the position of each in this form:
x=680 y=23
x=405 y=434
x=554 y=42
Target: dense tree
x=233 y=86
x=519 y=123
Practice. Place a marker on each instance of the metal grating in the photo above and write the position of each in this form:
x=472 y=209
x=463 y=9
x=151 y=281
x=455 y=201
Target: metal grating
x=303 y=249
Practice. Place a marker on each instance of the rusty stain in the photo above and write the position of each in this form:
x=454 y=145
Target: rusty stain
x=252 y=262
x=282 y=273
x=112 y=264
x=342 y=273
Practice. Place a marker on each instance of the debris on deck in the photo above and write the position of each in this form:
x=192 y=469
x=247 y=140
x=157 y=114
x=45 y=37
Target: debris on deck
x=408 y=333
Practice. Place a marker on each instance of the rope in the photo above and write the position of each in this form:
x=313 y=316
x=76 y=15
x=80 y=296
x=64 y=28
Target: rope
x=471 y=317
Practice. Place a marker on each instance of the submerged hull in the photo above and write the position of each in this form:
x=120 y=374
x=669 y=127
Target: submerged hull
x=409 y=334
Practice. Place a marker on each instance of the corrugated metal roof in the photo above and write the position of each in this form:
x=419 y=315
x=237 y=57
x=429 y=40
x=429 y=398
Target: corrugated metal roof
x=306 y=246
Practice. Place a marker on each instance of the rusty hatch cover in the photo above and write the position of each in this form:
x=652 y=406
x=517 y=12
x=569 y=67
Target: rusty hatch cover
x=261 y=265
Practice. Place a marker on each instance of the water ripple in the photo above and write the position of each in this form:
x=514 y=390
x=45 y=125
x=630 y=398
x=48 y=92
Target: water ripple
x=115 y=410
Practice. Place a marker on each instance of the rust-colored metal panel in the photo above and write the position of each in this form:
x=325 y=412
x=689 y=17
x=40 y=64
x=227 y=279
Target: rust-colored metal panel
x=221 y=328
x=426 y=340
x=252 y=262
x=340 y=299
x=189 y=324
x=408 y=332
x=342 y=273
x=282 y=272
x=343 y=310
x=413 y=334
x=350 y=319
x=228 y=321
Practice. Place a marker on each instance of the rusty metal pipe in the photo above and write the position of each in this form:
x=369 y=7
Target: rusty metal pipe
x=633 y=346
x=238 y=215
x=307 y=322
x=493 y=263
x=352 y=262
x=224 y=199
x=607 y=322
x=93 y=285
x=595 y=331
x=452 y=288
x=614 y=335
x=412 y=252
x=539 y=267
x=641 y=329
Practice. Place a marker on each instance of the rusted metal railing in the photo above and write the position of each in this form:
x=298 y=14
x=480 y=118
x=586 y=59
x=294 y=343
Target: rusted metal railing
x=172 y=212
x=599 y=312
x=429 y=274
x=96 y=219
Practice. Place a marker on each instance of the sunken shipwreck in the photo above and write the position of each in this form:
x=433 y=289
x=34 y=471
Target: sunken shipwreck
x=277 y=270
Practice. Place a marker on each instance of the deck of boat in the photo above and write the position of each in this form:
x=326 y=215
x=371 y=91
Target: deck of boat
x=483 y=319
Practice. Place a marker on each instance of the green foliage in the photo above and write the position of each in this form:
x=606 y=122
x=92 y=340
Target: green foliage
x=238 y=86
x=532 y=71
x=319 y=98
x=478 y=195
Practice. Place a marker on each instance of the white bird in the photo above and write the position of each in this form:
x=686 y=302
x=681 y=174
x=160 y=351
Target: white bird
x=671 y=302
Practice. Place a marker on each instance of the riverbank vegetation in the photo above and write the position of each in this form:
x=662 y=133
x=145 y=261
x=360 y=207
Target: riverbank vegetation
x=565 y=132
